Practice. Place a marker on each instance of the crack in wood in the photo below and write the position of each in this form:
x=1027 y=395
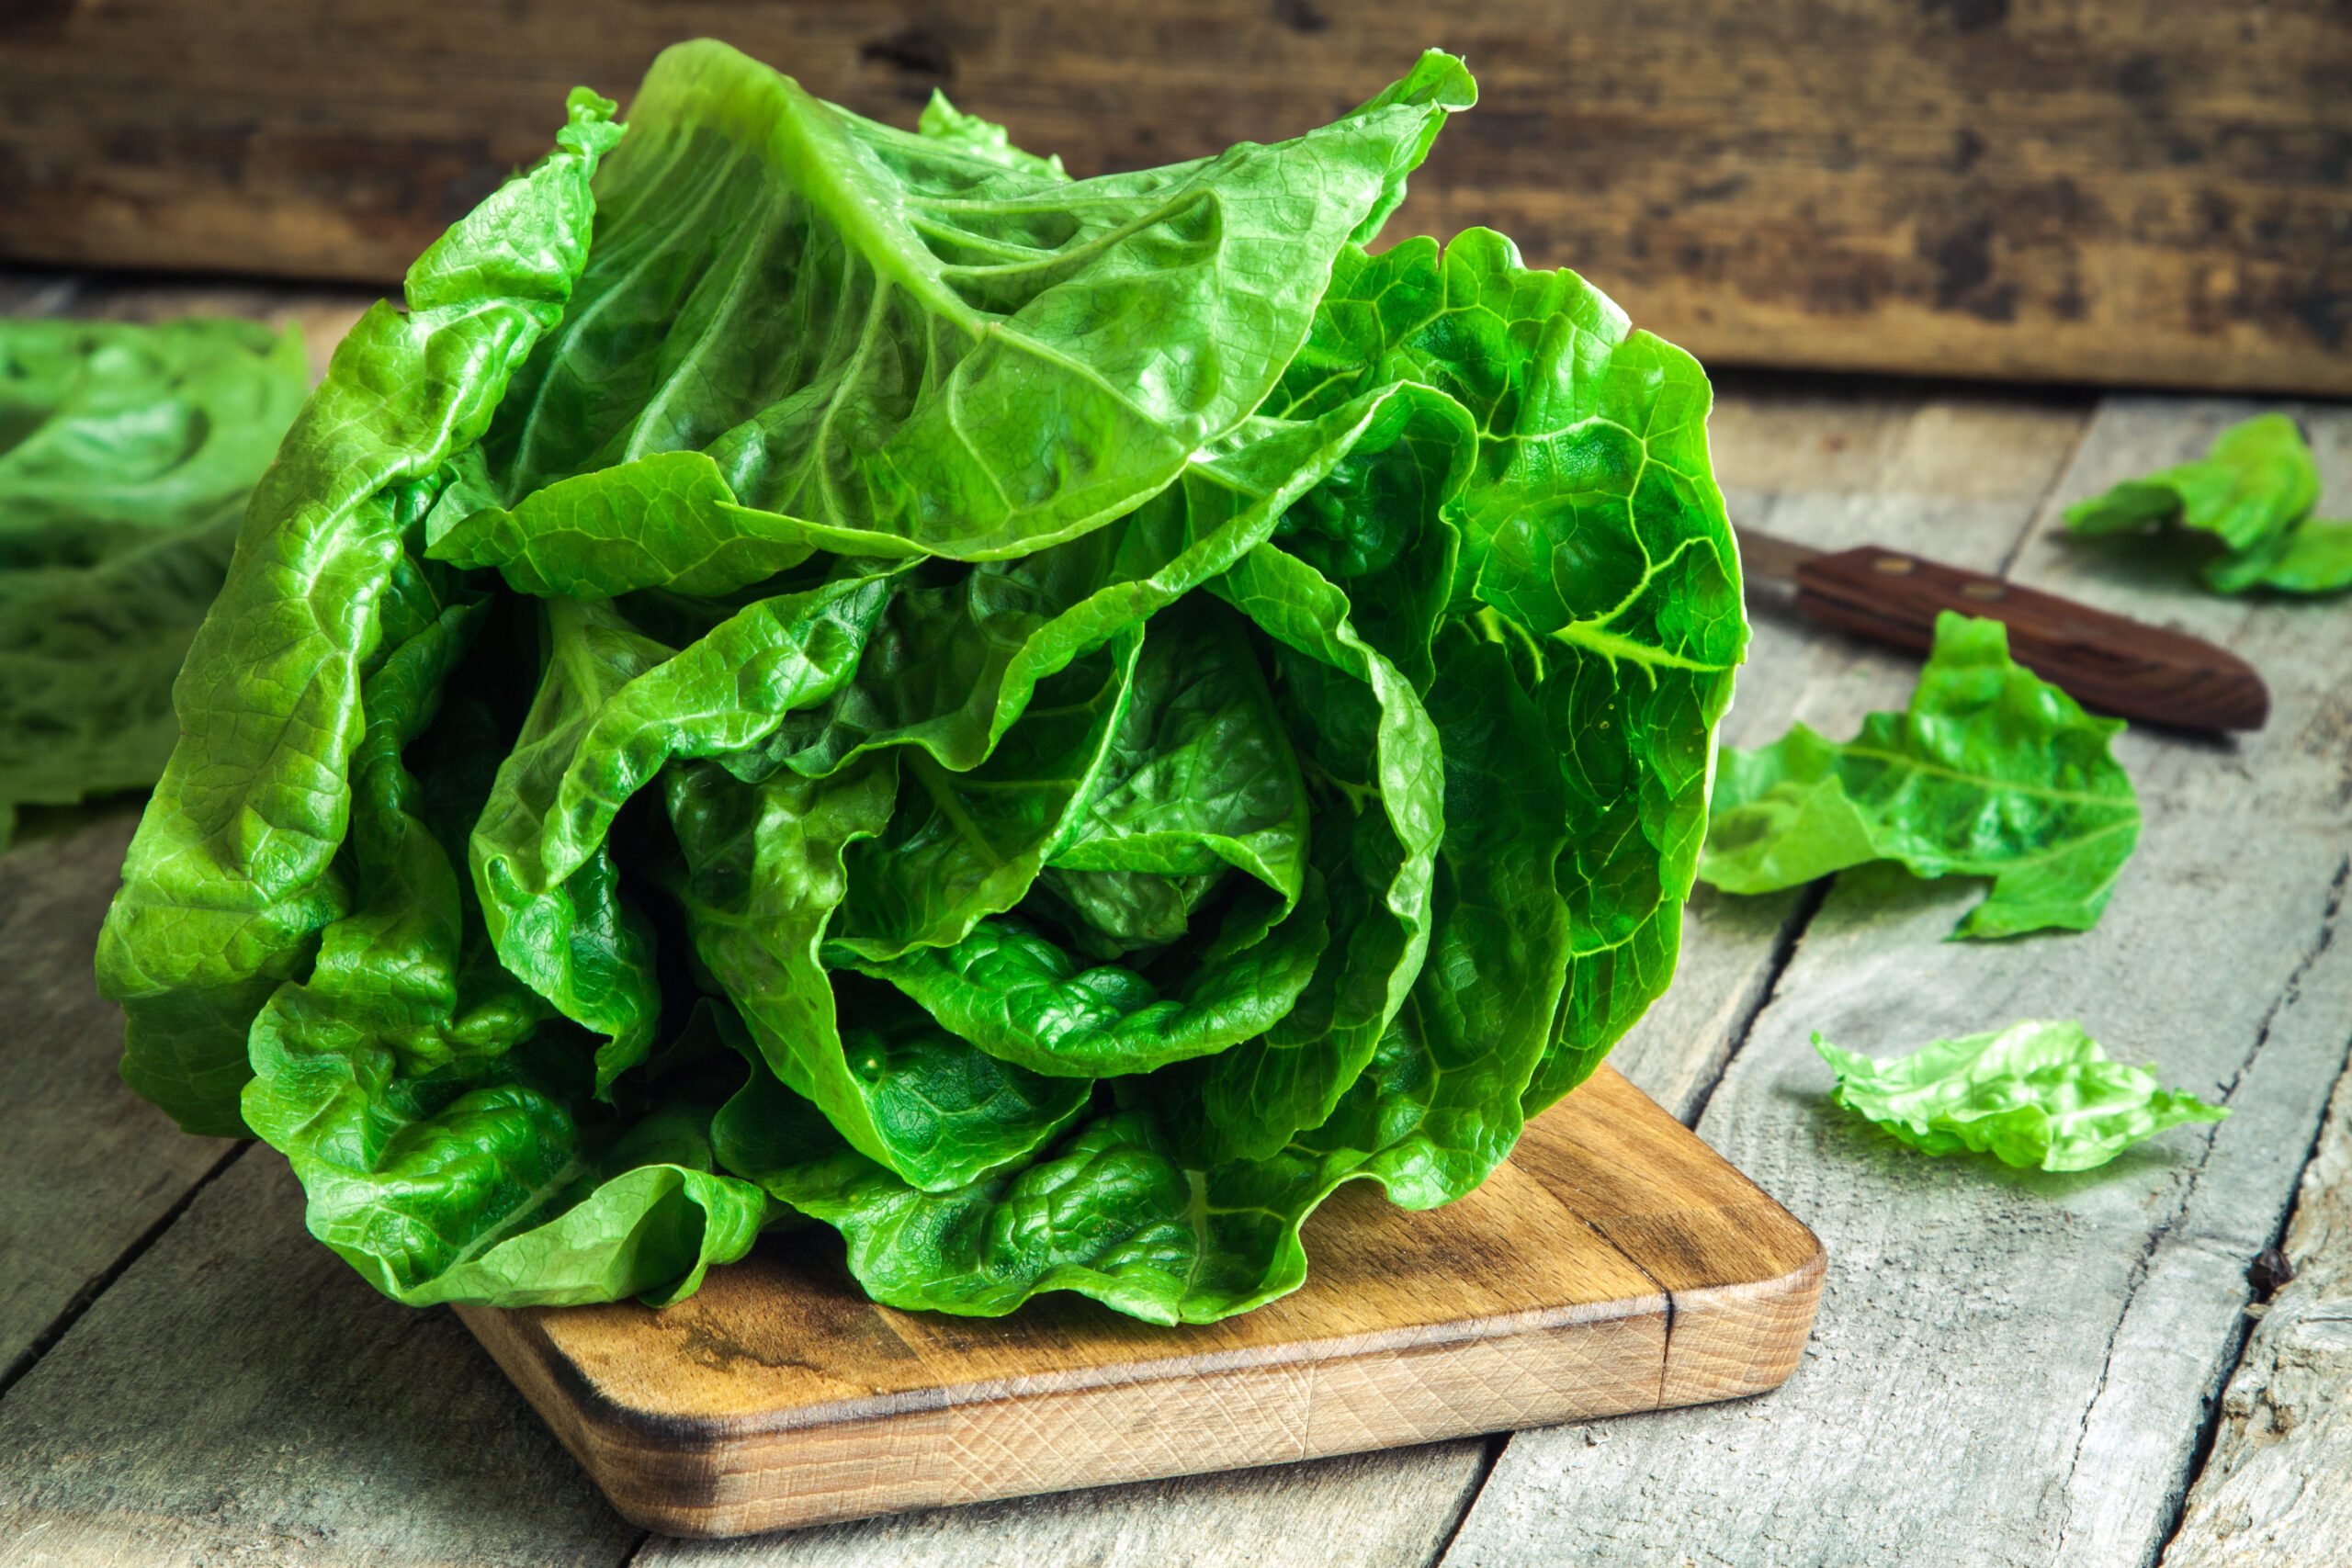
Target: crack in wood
x=83 y=1299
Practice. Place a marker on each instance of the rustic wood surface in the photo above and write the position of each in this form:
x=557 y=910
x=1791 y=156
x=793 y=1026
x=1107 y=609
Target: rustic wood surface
x=2121 y=191
x=1615 y=1264
x=86 y=1171
x=225 y=1389
x=2277 y=1492
x=240 y=1394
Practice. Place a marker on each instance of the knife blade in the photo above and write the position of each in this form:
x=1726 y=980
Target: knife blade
x=2104 y=661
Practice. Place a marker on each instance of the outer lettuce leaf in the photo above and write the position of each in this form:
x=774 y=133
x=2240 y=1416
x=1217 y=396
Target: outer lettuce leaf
x=871 y=330
x=1593 y=549
x=2254 y=491
x=449 y=1151
x=1990 y=772
x=126 y=455
x=2032 y=1095
x=230 y=878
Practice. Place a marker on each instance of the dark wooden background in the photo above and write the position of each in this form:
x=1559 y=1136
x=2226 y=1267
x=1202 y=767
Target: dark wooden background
x=2143 y=191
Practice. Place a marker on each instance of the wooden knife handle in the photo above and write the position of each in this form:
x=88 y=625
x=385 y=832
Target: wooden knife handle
x=2102 y=660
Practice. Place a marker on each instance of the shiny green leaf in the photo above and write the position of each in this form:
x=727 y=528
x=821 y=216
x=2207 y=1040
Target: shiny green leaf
x=1989 y=772
x=2032 y=1095
x=126 y=455
x=2254 y=491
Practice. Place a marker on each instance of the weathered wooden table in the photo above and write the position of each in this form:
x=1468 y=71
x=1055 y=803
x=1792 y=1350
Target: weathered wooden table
x=2007 y=1368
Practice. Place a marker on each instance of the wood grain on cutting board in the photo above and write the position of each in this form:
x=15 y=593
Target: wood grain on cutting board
x=1615 y=1264
x=2116 y=191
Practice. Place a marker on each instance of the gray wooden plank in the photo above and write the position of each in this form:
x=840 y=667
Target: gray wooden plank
x=35 y=291
x=2010 y=1368
x=88 y=1168
x=1964 y=472
x=241 y=1395
x=1378 y=1510
x=2277 y=1492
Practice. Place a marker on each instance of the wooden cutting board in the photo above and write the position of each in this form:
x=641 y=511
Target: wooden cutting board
x=1615 y=1264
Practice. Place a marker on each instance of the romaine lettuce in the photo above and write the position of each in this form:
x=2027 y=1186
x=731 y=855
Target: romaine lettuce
x=1043 y=723
x=2253 y=491
x=1990 y=772
x=2033 y=1094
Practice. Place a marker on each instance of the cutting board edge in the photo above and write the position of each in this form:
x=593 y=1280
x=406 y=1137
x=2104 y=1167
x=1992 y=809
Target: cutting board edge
x=1246 y=1416
x=1713 y=1343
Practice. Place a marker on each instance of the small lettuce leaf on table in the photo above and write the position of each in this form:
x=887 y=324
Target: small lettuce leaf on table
x=125 y=456
x=1990 y=772
x=2034 y=1095
x=2252 y=491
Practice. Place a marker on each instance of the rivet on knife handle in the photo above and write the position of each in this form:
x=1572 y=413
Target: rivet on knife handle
x=2104 y=661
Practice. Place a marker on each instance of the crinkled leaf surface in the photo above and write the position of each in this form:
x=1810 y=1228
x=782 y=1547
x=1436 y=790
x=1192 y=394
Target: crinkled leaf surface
x=1045 y=724
x=2032 y=1095
x=1991 y=771
x=1593 y=548
x=231 y=875
x=2254 y=491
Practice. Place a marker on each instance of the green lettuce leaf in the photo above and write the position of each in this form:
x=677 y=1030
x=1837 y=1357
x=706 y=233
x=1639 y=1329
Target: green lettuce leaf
x=1593 y=548
x=1989 y=772
x=2254 y=491
x=448 y=1148
x=126 y=455
x=881 y=332
x=2032 y=1095
x=970 y=134
x=230 y=876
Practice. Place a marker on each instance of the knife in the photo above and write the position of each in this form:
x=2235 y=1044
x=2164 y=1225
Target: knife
x=2103 y=661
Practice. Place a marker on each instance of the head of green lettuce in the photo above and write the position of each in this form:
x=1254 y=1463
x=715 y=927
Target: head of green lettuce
x=821 y=672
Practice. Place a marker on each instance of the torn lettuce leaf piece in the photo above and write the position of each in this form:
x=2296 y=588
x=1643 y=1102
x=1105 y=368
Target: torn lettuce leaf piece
x=2256 y=481
x=2254 y=491
x=125 y=456
x=1990 y=772
x=2035 y=1095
